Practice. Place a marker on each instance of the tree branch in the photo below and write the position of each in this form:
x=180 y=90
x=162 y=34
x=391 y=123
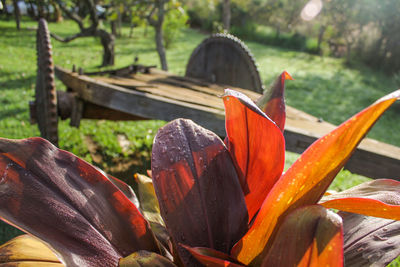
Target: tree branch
x=70 y=38
x=149 y=18
x=92 y=13
x=71 y=15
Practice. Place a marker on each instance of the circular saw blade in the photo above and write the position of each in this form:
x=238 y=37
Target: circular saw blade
x=224 y=59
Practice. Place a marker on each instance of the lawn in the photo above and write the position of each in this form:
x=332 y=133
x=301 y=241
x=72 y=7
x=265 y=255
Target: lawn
x=324 y=87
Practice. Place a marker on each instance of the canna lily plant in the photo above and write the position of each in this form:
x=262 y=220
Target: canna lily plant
x=209 y=202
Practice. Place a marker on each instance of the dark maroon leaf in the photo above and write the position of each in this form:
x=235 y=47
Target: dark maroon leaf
x=197 y=187
x=67 y=203
x=370 y=240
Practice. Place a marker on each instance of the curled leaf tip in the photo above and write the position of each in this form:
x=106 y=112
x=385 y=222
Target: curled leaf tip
x=245 y=100
x=286 y=75
x=393 y=95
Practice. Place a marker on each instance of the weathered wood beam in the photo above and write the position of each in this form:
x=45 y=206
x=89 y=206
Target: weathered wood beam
x=140 y=104
x=372 y=158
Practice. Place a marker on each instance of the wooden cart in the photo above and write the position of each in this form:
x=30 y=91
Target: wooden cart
x=138 y=92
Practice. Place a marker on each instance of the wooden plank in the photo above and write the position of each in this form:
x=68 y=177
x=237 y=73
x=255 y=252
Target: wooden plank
x=140 y=104
x=372 y=158
x=191 y=99
x=168 y=91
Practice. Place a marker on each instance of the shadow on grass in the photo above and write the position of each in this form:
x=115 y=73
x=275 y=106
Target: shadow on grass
x=11 y=113
x=16 y=84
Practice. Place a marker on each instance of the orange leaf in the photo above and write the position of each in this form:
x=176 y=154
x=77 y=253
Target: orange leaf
x=308 y=178
x=257 y=146
x=378 y=198
x=309 y=236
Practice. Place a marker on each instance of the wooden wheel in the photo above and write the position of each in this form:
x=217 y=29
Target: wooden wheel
x=45 y=91
x=224 y=59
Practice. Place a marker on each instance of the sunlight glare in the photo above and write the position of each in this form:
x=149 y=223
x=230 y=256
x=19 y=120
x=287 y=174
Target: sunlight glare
x=311 y=10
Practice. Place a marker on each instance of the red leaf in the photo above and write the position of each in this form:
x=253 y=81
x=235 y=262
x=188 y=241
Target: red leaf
x=307 y=179
x=378 y=198
x=212 y=258
x=197 y=187
x=273 y=102
x=124 y=187
x=257 y=146
x=67 y=203
x=370 y=241
x=309 y=236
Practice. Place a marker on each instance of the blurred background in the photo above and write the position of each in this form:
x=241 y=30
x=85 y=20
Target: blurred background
x=367 y=31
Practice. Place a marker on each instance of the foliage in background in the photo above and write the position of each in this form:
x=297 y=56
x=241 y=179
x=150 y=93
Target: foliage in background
x=175 y=21
x=359 y=30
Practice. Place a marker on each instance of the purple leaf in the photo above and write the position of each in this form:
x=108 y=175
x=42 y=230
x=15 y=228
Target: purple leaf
x=197 y=187
x=67 y=203
x=369 y=240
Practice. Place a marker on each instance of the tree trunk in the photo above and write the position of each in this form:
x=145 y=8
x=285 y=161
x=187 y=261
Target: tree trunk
x=57 y=16
x=5 y=10
x=160 y=47
x=226 y=15
x=348 y=51
x=119 y=24
x=17 y=14
x=31 y=11
x=131 y=29
x=320 y=37
x=107 y=41
x=113 y=27
x=278 y=32
x=40 y=7
x=157 y=24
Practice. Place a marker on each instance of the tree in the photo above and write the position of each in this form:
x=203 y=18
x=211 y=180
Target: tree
x=17 y=14
x=156 y=19
x=4 y=7
x=155 y=12
x=226 y=14
x=77 y=13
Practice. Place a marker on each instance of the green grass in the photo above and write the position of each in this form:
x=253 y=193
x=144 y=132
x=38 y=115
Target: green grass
x=324 y=87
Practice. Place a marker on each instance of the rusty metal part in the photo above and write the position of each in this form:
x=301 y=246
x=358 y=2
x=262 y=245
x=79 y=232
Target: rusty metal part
x=224 y=59
x=69 y=105
x=45 y=91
